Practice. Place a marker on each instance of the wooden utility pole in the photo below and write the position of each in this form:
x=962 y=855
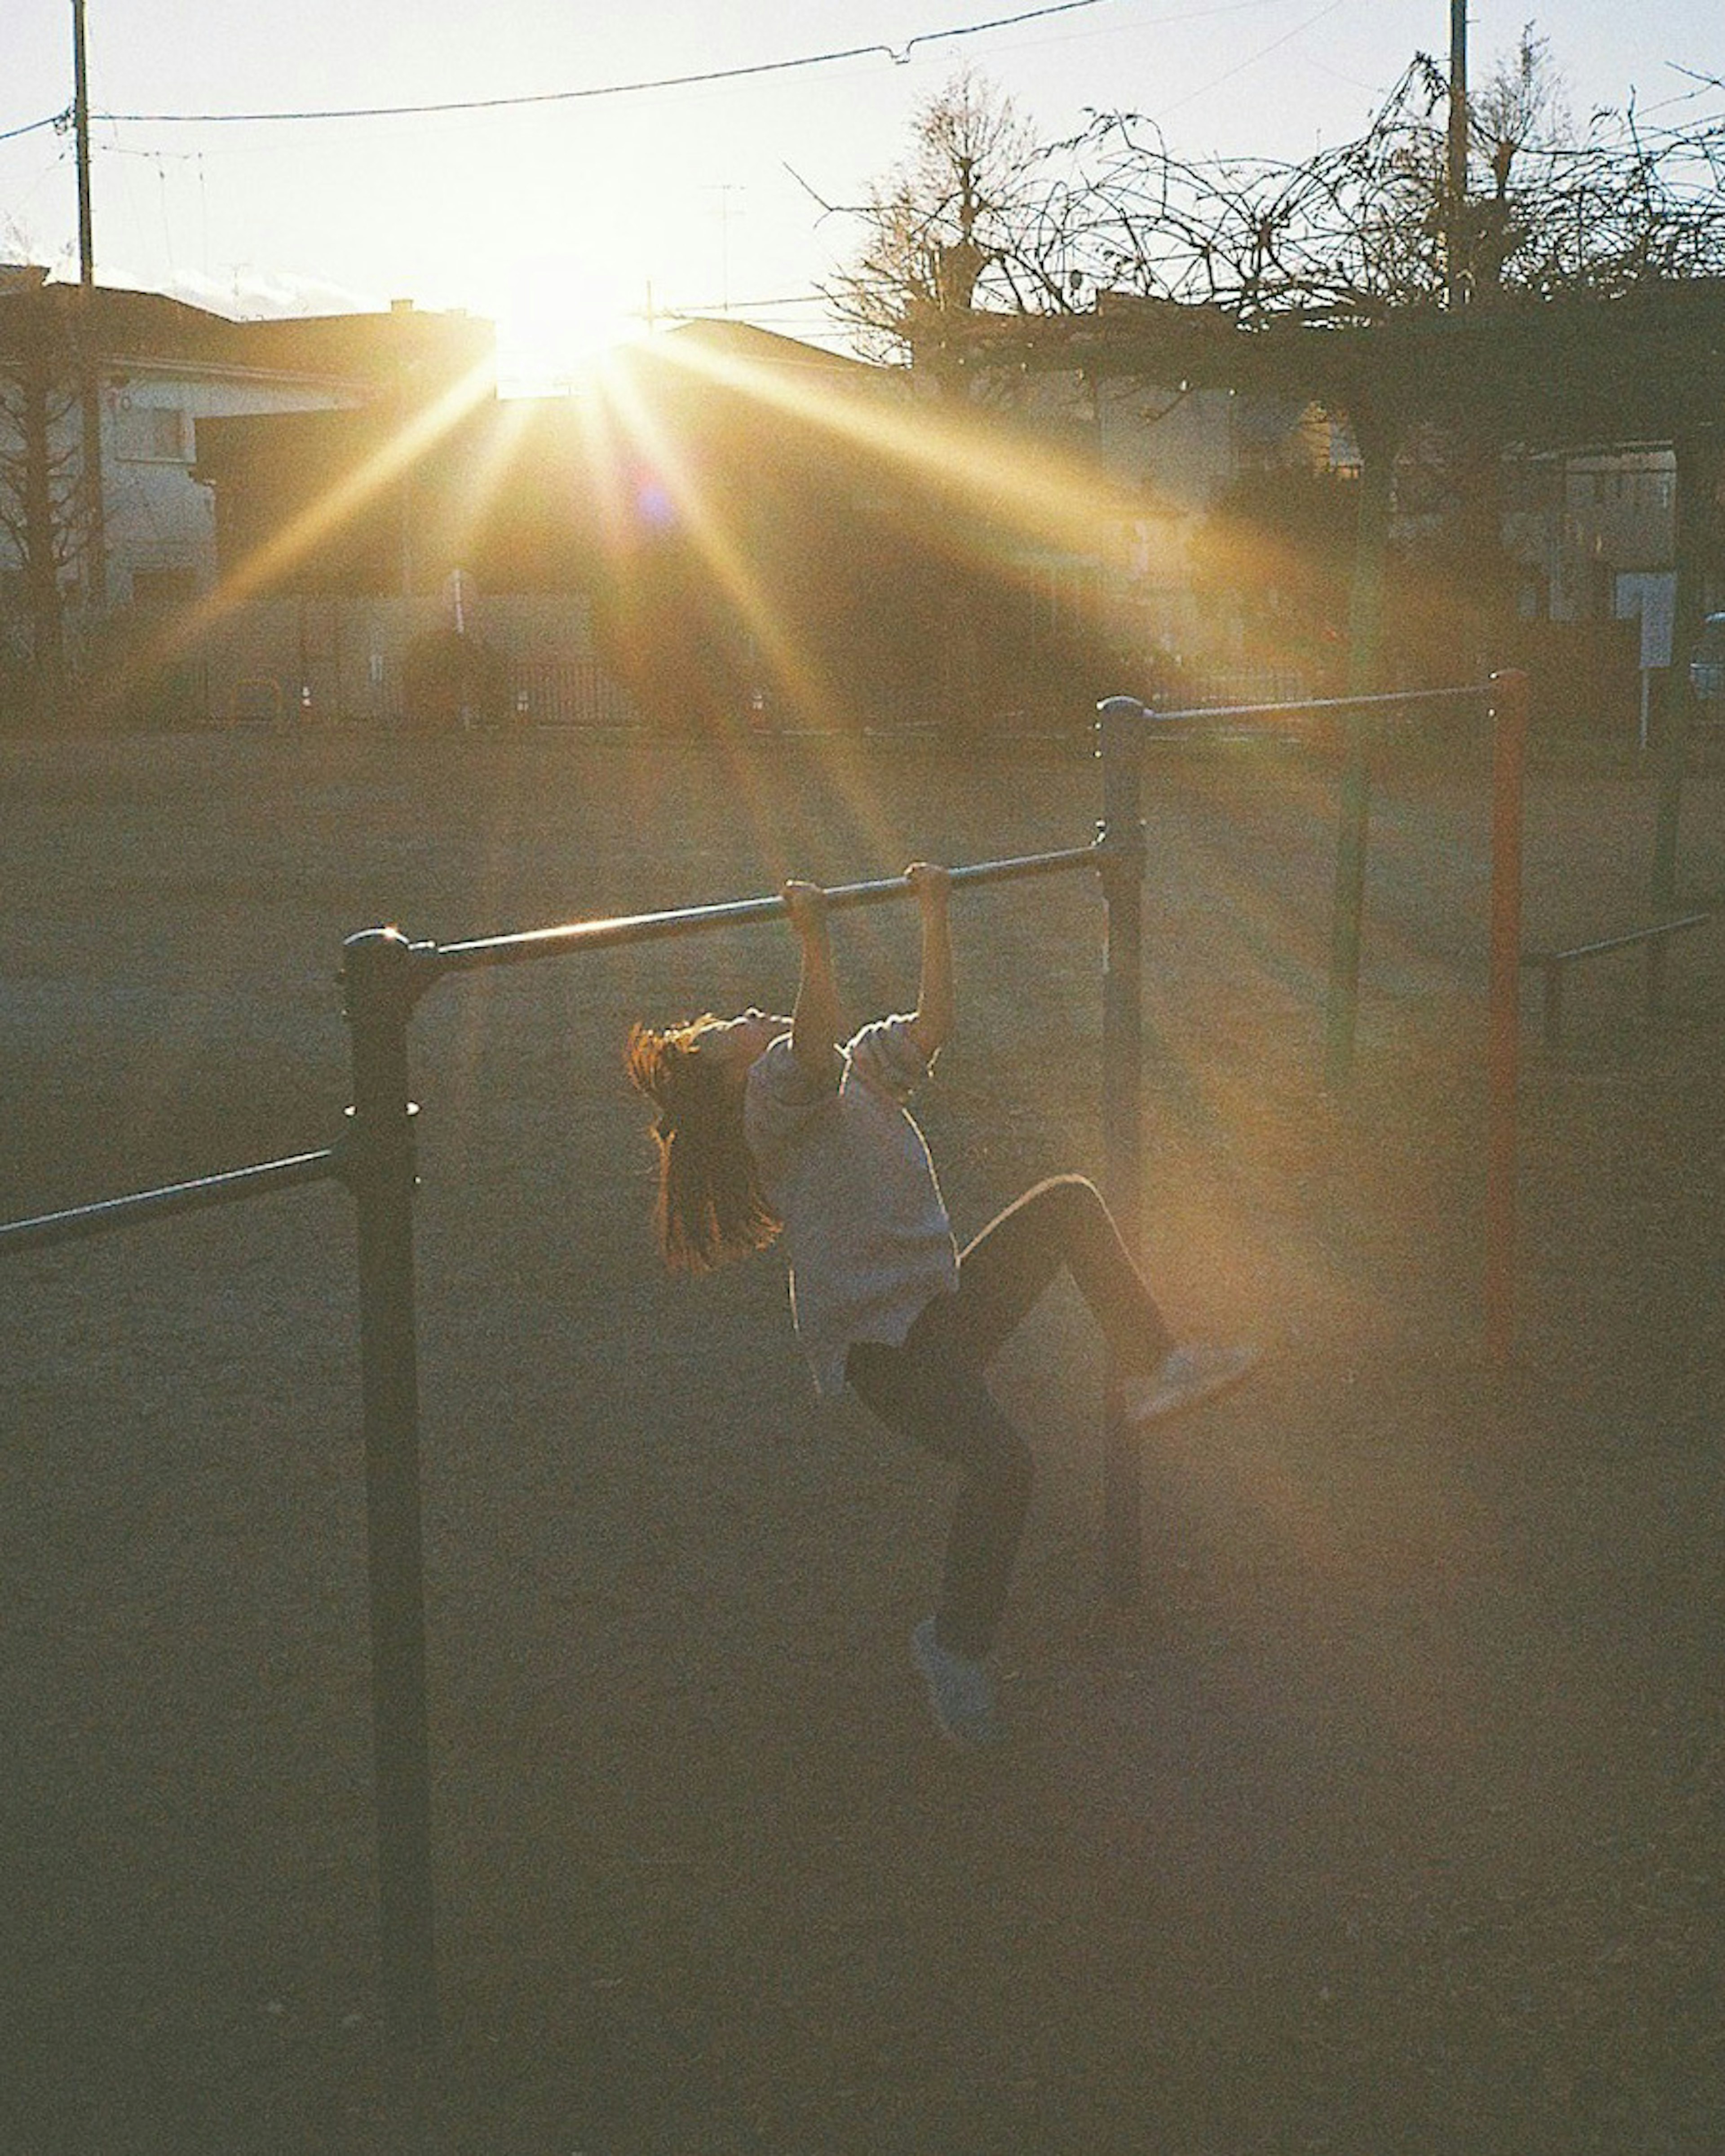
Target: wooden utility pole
x=89 y=349
x=1456 y=188
x=80 y=124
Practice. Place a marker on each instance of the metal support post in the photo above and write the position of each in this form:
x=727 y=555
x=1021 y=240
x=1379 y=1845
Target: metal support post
x=1351 y=842
x=1120 y=743
x=381 y=976
x=1668 y=811
x=1700 y=451
x=1509 y=727
x=1378 y=442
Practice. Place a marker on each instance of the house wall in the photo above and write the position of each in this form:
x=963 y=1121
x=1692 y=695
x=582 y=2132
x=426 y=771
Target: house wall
x=161 y=368
x=1177 y=446
x=1587 y=520
x=1180 y=451
x=161 y=521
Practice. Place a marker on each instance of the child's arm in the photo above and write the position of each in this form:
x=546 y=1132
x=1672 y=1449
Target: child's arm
x=931 y=1024
x=814 y=1017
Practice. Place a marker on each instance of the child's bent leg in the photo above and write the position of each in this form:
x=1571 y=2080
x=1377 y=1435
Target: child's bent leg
x=1062 y=1222
x=944 y=1406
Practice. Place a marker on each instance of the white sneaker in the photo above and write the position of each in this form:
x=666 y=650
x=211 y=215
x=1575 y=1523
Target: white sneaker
x=1185 y=1377
x=961 y=1691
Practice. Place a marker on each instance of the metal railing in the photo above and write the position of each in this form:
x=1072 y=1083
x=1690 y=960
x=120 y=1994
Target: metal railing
x=1380 y=704
x=77 y=1222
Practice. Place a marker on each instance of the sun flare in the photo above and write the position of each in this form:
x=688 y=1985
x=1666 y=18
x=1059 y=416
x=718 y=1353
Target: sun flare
x=555 y=313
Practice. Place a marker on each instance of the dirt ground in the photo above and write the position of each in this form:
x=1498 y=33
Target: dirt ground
x=1389 y=1819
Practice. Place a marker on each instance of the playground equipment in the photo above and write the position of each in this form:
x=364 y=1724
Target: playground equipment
x=1552 y=965
x=386 y=974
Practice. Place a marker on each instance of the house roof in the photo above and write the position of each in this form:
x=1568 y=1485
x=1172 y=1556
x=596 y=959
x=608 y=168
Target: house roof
x=142 y=326
x=745 y=341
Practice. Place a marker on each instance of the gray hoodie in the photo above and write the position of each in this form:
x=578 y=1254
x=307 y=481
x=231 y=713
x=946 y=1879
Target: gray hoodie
x=847 y=1171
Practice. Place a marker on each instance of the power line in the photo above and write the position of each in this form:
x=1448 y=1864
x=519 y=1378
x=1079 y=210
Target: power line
x=747 y=306
x=1252 y=59
x=33 y=127
x=899 y=55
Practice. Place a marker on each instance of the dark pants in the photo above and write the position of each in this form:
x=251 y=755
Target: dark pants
x=931 y=1389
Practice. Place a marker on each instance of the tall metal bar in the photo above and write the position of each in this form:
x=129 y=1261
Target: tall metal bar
x=730 y=913
x=383 y=976
x=1509 y=718
x=1119 y=745
x=1201 y=718
x=1701 y=465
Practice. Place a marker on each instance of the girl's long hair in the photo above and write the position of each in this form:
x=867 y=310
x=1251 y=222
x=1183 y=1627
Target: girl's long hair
x=710 y=1205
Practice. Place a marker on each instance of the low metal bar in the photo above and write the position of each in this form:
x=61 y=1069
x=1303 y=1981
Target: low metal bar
x=733 y=913
x=1552 y=964
x=1352 y=847
x=107 y=1214
x=1615 y=942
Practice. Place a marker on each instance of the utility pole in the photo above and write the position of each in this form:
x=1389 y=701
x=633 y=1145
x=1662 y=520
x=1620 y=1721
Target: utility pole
x=81 y=123
x=1456 y=189
x=88 y=350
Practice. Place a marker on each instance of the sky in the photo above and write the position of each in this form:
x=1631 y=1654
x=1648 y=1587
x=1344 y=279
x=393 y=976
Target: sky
x=633 y=193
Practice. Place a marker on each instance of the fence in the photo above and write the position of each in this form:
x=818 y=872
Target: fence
x=329 y=661
x=567 y=692
x=385 y=975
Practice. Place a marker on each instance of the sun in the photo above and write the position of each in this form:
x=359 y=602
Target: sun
x=556 y=311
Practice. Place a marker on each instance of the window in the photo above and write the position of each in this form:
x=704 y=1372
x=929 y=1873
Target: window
x=151 y=433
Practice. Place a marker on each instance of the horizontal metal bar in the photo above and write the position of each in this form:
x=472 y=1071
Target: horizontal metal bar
x=1614 y=942
x=1208 y=711
x=110 y=1213
x=695 y=920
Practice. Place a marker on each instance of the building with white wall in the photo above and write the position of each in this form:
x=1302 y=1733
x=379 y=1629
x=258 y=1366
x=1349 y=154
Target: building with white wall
x=101 y=393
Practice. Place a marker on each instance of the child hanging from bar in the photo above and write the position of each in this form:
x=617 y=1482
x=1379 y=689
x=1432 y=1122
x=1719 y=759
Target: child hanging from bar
x=766 y=1128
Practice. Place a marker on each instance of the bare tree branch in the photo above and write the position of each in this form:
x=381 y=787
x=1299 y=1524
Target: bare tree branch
x=983 y=221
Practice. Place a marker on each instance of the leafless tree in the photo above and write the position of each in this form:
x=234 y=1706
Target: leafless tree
x=1355 y=232
x=43 y=509
x=984 y=220
x=959 y=226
